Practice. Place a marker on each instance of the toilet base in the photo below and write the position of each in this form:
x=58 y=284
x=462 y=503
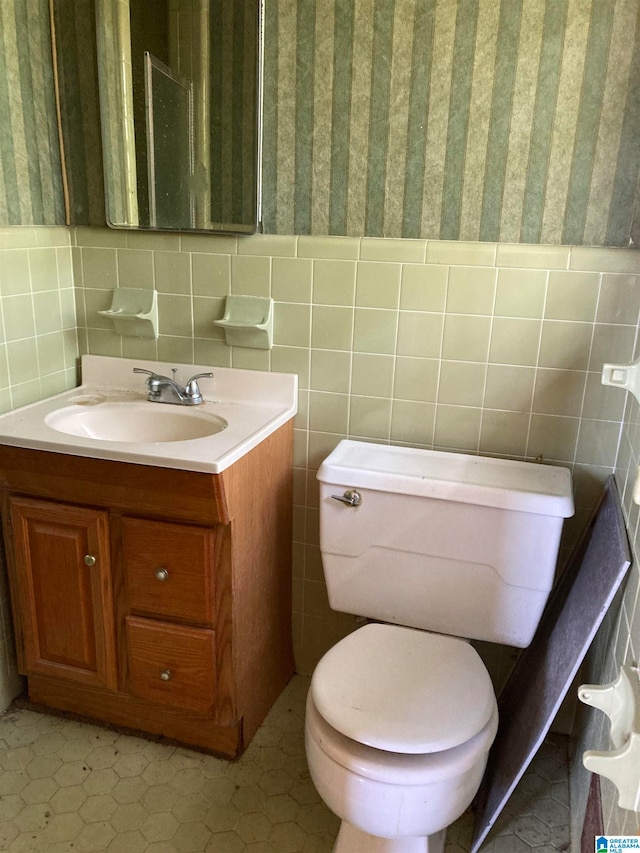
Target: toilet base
x=353 y=840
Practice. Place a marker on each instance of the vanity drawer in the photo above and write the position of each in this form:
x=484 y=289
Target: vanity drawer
x=172 y=664
x=169 y=570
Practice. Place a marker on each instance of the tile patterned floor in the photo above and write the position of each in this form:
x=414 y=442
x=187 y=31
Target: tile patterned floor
x=68 y=787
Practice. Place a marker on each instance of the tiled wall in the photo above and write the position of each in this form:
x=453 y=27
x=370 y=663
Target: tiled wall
x=38 y=352
x=495 y=348
x=620 y=643
x=617 y=643
x=38 y=343
x=491 y=348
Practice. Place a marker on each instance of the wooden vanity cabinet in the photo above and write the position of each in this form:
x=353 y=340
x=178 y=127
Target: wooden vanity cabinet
x=154 y=599
x=169 y=570
x=62 y=558
x=170 y=574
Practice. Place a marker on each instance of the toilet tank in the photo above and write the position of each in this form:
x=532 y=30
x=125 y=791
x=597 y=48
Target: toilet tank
x=458 y=544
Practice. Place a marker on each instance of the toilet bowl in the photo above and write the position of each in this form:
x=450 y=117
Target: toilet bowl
x=439 y=549
x=412 y=717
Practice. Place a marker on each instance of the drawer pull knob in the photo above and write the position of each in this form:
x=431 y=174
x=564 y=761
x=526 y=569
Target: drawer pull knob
x=161 y=574
x=165 y=674
x=89 y=560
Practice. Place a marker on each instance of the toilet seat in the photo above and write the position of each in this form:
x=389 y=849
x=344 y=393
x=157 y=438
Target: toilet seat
x=392 y=767
x=402 y=690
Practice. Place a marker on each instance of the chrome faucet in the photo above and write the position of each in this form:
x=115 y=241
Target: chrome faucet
x=165 y=390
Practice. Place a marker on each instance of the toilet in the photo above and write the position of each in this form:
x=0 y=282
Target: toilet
x=435 y=549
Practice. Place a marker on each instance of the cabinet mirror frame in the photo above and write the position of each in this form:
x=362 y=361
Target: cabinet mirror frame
x=210 y=89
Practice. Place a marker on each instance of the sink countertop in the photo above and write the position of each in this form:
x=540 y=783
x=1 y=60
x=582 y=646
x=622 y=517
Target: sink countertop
x=254 y=403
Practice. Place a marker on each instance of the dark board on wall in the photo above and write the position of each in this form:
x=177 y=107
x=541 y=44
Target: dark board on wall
x=546 y=669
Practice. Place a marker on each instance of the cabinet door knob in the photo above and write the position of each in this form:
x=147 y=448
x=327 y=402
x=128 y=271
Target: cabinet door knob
x=161 y=574
x=89 y=560
x=165 y=674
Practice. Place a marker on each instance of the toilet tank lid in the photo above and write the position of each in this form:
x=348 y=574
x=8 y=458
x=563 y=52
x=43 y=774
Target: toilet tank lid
x=486 y=481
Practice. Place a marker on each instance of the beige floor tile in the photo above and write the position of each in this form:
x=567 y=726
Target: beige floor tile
x=68 y=787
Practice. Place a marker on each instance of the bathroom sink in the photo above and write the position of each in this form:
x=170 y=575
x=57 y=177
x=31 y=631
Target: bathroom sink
x=108 y=416
x=133 y=421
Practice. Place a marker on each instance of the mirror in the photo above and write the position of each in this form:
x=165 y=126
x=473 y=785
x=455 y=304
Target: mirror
x=180 y=97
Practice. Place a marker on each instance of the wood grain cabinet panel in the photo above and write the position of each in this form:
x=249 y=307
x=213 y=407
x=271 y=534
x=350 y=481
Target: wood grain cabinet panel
x=172 y=664
x=169 y=570
x=154 y=599
x=64 y=576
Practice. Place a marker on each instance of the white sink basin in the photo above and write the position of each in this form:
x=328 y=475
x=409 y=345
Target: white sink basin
x=134 y=421
x=109 y=417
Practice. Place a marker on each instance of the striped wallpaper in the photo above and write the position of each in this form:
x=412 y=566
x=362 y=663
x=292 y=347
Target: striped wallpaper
x=30 y=176
x=455 y=119
x=78 y=78
x=233 y=45
x=500 y=120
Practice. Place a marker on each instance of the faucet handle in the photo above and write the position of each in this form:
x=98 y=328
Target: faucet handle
x=150 y=373
x=192 y=389
x=200 y=376
x=153 y=382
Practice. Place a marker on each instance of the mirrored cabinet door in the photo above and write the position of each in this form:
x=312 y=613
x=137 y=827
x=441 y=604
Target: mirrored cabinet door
x=163 y=97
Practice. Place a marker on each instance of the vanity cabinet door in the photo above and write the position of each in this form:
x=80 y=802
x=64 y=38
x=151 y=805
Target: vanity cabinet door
x=169 y=570
x=63 y=574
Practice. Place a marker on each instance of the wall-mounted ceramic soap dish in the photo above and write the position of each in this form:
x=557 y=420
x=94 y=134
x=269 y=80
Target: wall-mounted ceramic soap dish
x=248 y=322
x=133 y=312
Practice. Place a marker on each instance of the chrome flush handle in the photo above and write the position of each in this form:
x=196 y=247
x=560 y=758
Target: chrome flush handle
x=351 y=498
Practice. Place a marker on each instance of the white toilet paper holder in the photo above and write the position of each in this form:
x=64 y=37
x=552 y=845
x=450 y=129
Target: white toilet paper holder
x=620 y=701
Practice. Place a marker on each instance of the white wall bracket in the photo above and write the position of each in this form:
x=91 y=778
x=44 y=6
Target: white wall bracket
x=626 y=376
x=620 y=701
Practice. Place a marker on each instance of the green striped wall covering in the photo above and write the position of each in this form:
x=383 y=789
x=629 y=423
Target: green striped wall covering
x=495 y=120
x=514 y=121
x=30 y=175
x=75 y=25
x=233 y=112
